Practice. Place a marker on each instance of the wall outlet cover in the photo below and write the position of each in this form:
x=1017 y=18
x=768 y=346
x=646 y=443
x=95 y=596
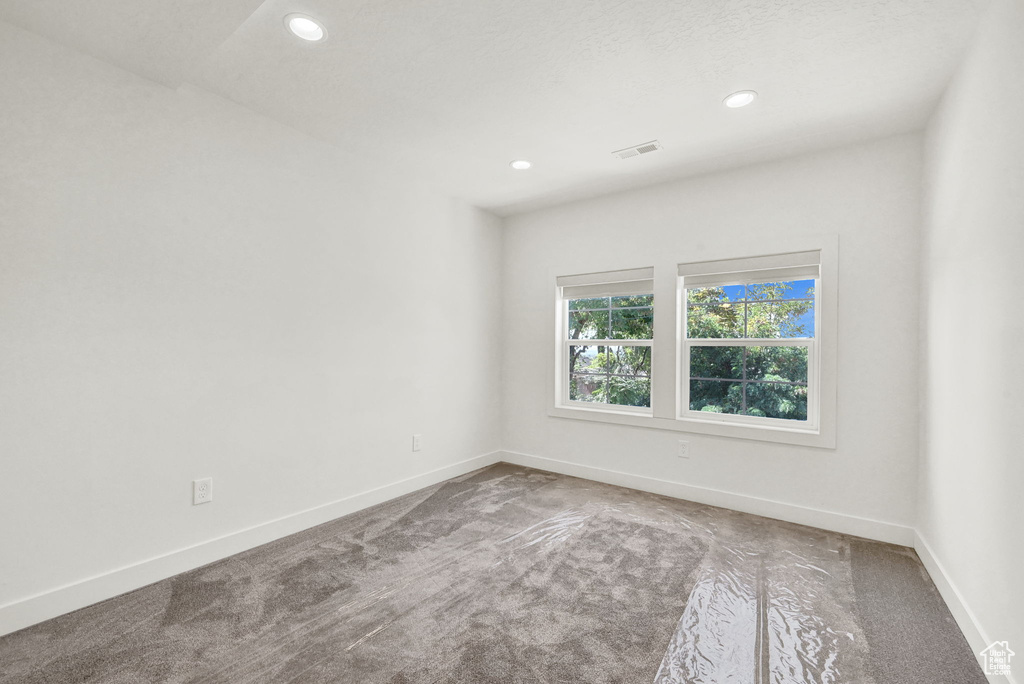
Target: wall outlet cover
x=202 y=491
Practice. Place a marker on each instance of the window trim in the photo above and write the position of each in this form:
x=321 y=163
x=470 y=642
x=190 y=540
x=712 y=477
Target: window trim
x=667 y=335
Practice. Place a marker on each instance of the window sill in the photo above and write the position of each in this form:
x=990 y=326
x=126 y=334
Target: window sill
x=822 y=439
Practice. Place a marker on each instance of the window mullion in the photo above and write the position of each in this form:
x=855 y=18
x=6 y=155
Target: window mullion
x=743 y=386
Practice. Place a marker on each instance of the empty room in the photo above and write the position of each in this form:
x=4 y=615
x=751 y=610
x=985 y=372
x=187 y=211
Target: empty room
x=526 y=342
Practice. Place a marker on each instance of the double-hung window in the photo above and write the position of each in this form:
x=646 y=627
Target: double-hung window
x=749 y=348
x=607 y=328
x=745 y=347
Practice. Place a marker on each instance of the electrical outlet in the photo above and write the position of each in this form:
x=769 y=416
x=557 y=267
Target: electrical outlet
x=684 y=449
x=202 y=491
x=417 y=442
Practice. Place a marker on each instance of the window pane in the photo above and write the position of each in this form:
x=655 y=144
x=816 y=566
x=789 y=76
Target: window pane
x=714 y=295
x=589 y=359
x=773 y=400
x=621 y=390
x=716 y=396
x=781 y=319
x=734 y=293
x=628 y=360
x=784 y=364
x=712 y=321
x=633 y=300
x=588 y=325
x=632 y=324
x=790 y=289
x=716 y=362
x=628 y=391
x=595 y=303
x=587 y=387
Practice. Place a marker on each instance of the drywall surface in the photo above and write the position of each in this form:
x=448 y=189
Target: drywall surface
x=869 y=195
x=190 y=290
x=972 y=473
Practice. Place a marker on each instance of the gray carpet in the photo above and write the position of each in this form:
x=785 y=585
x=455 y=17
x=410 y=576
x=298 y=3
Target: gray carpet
x=515 y=575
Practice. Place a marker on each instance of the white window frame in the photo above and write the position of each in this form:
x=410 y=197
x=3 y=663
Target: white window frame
x=666 y=372
x=749 y=271
x=618 y=283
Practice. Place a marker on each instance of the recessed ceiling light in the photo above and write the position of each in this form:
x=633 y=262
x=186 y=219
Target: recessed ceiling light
x=305 y=27
x=740 y=99
x=520 y=164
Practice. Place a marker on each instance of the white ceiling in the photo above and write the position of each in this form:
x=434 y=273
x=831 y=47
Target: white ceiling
x=455 y=89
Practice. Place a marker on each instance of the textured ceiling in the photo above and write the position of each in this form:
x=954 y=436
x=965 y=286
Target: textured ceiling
x=159 y=39
x=455 y=89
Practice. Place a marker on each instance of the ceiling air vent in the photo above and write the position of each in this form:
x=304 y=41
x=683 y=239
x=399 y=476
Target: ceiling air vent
x=637 y=150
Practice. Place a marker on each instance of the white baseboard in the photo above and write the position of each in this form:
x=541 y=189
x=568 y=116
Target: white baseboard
x=962 y=613
x=813 y=517
x=61 y=600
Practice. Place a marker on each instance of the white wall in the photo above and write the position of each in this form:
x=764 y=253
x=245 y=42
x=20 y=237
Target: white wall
x=188 y=289
x=972 y=471
x=870 y=196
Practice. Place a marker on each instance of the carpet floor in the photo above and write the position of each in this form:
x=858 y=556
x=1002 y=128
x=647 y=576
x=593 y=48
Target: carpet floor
x=515 y=575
